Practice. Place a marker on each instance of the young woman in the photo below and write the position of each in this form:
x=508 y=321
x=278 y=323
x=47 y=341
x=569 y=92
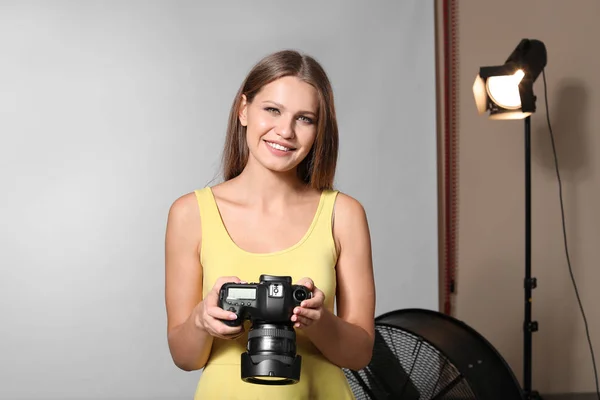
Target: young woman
x=275 y=213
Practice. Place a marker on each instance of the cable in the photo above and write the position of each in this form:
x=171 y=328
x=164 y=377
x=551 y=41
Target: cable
x=565 y=234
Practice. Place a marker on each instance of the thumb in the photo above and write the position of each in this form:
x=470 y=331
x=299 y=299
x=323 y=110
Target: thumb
x=219 y=284
x=307 y=282
x=225 y=279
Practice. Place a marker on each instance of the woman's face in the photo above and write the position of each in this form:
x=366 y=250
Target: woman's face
x=281 y=123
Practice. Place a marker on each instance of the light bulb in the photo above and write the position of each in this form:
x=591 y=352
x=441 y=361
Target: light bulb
x=504 y=90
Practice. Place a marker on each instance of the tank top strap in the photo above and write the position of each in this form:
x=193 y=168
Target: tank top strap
x=213 y=230
x=329 y=197
x=323 y=229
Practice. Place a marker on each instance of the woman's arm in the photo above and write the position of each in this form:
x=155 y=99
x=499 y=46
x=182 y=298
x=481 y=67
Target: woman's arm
x=189 y=345
x=192 y=322
x=347 y=339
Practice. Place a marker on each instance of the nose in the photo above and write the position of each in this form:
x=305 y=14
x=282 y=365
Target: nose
x=285 y=127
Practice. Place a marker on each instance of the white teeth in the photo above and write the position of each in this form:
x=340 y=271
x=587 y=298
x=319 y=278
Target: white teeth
x=278 y=146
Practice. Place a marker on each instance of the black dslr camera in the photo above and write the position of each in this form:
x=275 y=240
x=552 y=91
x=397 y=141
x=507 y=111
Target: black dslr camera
x=271 y=357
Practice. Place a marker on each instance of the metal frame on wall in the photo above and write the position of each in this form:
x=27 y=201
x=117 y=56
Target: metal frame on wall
x=449 y=156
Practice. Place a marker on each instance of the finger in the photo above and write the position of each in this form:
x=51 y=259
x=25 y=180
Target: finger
x=225 y=331
x=306 y=313
x=232 y=335
x=225 y=279
x=307 y=282
x=316 y=301
x=218 y=313
x=301 y=322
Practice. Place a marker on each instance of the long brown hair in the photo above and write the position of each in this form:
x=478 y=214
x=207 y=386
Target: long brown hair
x=318 y=168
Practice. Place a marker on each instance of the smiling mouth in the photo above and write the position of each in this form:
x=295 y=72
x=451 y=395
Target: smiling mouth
x=279 y=147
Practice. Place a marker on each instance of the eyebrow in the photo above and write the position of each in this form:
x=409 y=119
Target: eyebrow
x=282 y=106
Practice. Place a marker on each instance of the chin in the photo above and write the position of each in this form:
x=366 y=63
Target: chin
x=277 y=164
x=279 y=168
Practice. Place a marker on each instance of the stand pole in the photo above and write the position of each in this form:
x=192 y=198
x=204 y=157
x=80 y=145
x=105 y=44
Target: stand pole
x=529 y=326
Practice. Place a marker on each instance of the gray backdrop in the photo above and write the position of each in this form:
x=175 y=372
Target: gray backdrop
x=111 y=110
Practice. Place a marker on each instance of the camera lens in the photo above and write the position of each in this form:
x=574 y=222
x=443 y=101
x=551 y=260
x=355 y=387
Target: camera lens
x=300 y=294
x=271 y=358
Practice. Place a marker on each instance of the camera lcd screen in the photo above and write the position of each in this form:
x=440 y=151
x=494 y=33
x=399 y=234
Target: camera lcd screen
x=241 y=293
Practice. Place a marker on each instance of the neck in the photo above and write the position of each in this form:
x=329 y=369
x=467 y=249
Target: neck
x=260 y=185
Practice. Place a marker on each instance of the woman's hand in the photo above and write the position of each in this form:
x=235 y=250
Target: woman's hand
x=310 y=310
x=209 y=315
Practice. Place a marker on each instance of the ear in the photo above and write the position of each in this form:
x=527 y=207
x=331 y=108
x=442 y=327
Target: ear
x=243 y=111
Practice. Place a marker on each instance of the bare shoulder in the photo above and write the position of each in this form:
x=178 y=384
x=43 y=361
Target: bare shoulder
x=184 y=207
x=350 y=221
x=348 y=209
x=184 y=216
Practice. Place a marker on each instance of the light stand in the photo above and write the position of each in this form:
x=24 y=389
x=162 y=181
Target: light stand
x=506 y=92
x=529 y=326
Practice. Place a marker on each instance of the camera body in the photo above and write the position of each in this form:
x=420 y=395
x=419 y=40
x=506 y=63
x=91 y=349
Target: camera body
x=272 y=300
x=271 y=357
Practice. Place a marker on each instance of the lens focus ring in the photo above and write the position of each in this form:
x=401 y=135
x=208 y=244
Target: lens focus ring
x=280 y=333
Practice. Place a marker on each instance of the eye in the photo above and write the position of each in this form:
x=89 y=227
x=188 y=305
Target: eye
x=272 y=110
x=306 y=120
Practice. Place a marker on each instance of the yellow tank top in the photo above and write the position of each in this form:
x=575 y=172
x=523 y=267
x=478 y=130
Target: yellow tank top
x=314 y=256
